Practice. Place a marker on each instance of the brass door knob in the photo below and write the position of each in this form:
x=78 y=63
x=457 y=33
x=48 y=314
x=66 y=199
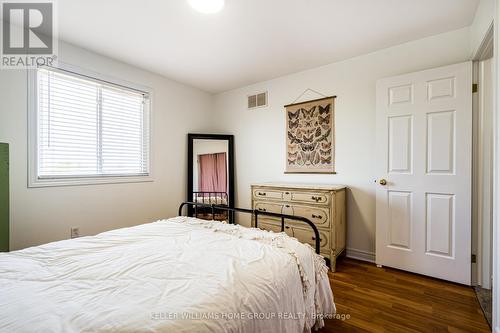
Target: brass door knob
x=382 y=182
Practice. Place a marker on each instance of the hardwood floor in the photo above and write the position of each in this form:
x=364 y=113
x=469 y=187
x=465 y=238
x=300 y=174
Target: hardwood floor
x=389 y=300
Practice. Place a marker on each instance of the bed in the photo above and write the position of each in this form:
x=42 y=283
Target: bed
x=177 y=275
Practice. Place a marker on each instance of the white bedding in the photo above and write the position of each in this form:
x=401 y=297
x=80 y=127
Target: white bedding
x=176 y=275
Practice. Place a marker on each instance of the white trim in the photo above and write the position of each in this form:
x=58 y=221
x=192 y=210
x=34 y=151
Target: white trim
x=496 y=176
x=34 y=180
x=360 y=255
x=481 y=274
x=476 y=181
x=99 y=77
x=484 y=179
x=486 y=49
x=52 y=182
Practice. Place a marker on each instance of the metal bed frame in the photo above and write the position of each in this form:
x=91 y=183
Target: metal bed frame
x=256 y=214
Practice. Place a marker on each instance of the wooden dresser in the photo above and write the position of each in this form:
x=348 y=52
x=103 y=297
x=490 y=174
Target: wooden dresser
x=324 y=205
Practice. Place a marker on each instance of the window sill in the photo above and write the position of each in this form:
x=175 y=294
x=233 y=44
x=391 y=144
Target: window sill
x=56 y=182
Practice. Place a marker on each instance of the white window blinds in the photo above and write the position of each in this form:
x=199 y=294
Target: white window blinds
x=90 y=128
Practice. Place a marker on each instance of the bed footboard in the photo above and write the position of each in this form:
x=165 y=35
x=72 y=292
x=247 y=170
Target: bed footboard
x=256 y=214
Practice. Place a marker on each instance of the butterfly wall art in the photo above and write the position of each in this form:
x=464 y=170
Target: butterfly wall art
x=310 y=136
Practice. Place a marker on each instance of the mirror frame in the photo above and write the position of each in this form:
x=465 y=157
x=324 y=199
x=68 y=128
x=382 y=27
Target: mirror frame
x=230 y=162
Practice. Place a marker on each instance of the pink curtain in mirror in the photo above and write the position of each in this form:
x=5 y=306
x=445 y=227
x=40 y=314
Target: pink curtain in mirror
x=213 y=173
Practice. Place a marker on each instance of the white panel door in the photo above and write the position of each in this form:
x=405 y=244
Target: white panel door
x=424 y=149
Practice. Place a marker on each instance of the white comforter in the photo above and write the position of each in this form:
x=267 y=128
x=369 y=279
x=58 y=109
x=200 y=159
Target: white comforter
x=176 y=275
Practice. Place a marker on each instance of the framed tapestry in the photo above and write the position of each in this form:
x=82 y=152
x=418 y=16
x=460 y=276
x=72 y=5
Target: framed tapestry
x=310 y=136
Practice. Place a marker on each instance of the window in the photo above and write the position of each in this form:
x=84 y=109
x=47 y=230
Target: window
x=86 y=130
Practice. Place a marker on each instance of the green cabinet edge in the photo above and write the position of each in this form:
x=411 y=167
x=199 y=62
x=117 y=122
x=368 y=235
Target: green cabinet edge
x=4 y=197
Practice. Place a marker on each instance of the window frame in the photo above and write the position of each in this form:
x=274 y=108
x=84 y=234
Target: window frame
x=33 y=179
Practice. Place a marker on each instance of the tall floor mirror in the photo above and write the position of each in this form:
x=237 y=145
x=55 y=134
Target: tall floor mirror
x=211 y=175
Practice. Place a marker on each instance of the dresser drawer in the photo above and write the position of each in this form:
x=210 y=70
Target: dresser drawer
x=307 y=236
x=302 y=235
x=309 y=197
x=269 y=207
x=275 y=227
x=320 y=216
x=268 y=194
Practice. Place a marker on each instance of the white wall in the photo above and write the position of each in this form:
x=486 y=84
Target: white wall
x=260 y=134
x=40 y=215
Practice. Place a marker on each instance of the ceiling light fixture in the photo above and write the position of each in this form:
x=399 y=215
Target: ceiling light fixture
x=207 y=6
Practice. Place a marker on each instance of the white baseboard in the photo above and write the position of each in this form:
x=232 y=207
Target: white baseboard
x=360 y=255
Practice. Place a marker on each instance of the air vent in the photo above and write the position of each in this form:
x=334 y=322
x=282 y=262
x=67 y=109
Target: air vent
x=257 y=100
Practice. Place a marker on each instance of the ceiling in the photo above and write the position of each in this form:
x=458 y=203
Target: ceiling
x=250 y=40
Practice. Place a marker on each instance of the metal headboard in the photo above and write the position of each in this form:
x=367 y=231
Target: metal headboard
x=256 y=214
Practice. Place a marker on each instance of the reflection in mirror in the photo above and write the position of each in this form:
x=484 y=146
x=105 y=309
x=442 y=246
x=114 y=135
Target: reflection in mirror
x=210 y=176
x=210 y=171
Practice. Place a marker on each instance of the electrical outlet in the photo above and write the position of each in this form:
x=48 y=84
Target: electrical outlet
x=75 y=232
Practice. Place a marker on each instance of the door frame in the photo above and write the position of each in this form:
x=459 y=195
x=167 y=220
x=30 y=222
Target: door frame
x=496 y=174
x=481 y=236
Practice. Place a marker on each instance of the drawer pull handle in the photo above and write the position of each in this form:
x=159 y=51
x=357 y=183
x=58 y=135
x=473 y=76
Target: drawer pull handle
x=261 y=193
x=262 y=209
x=287 y=192
x=316 y=198
x=287 y=206
x=287 y=227
x=314 y=216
